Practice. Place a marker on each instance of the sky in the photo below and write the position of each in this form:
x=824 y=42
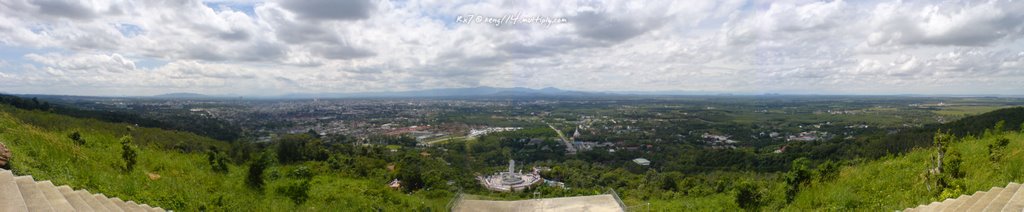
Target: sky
x=239 y=47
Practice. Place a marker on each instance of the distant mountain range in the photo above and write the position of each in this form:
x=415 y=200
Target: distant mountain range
x=452 y=92
x=442 y=92
x=183 y=96
x=486 y=91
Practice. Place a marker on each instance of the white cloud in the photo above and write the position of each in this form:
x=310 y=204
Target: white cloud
x=947 y=24
x=255 y=47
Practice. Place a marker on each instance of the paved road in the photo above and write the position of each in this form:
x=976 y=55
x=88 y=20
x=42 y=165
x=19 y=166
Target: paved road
x=568 y=144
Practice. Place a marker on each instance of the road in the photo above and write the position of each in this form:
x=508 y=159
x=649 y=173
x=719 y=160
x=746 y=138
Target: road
x=568 y=144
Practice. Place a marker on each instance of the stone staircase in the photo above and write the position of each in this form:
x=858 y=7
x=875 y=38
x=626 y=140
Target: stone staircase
x=1010 y=198
x=22 y=193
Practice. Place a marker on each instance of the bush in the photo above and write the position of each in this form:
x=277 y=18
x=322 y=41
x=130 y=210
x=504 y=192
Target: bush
x=296 y=191
x=749 y=196
x=302 y=172
x=828 y=171
x=218 y=160
x=798 y=175
x=255 y=176
x=77 y=138
x=128 y=153
x=950 y=182
x=995 y=151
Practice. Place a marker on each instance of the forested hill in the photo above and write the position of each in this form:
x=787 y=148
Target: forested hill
x=880 y=145
x=976 y=125
x=208 y=127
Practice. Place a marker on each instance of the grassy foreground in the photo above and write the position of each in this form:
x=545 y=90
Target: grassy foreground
x=898 y=182
x=180 y=181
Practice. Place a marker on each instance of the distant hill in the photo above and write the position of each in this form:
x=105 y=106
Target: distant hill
x=906 y=140
x=453 y=92
x=183 y=96
x=210 y=127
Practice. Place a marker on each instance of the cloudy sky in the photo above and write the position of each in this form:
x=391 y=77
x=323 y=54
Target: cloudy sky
x=145 y=47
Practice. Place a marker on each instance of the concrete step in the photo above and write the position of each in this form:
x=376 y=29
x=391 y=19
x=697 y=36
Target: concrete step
x=147 y=207
x=34 y=198
x=942 y=205
x=121 y=204
x=23 y=193
x=135 y=206
x=1016 y=202
x=57 y=201
x=970 y=201
x=91 y=200
x=10 y=195
x=985 y=199
x=931 y=206
x=1000 y=200
x=956 y=203
x=108 y=203
x=75 y=200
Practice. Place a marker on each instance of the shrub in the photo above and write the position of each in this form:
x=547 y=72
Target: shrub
x=77 y=138
x=302 y=172
x=296 y=191
x=995 y=151
x=950 y=182
x=255 y=176
x=128 y=153
x=798 y=175
x=218 y=161
x=828 y=171
x=749 y=196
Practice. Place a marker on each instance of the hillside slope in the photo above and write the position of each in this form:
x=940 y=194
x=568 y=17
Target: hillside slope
x=175 y=180
x=898 y=182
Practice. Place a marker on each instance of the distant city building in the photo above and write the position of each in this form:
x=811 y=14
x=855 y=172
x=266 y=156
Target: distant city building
x=576 y=134
x=642 y=161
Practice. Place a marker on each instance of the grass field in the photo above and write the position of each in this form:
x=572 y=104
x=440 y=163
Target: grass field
x=966 y=110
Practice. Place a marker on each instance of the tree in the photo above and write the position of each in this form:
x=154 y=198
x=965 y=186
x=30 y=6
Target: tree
x=999 y=128
x=798 y=174
x=941 y=141
x=946 y=176
x=950 y=183
x=290 y=147
x=410 y=172
x=749 y=196
x=827 y=171
x=128 y=152
x=256 y=167
x=313 y=133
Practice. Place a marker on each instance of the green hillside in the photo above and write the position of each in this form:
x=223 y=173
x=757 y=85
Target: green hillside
x=893 y=183
x=170 y=175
